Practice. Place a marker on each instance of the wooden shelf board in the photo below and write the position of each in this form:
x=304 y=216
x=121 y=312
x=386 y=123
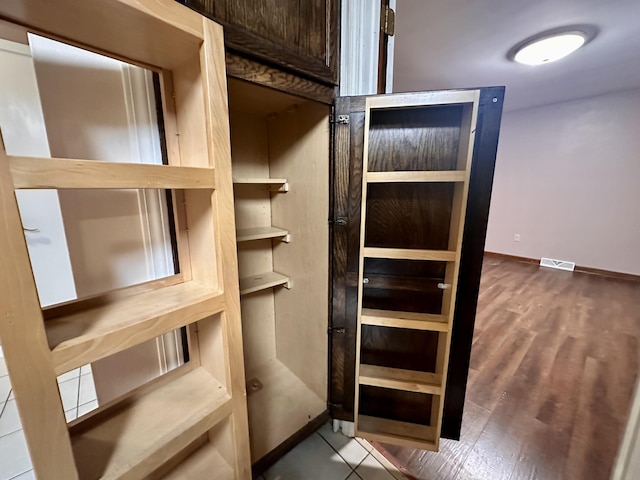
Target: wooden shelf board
x=409 y=320
x=262 y=281
x=259 y=181
x=202 y=463
x=398 y=433
x=84 y=337
x=399 y=379
x=279 y=409
x=60 y=173
x=136 y=439
x=410 y=254
x=273 y=184
x=417 y=176
x=259 y=233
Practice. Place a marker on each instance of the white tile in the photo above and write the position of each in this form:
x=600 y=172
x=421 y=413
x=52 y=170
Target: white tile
x=312 y=459
x=14 y=455
x=371 y=469
x=10 y=420
x=71 y=415
x=353 y=476
x=87 y=389
x=87 y=407
x=30 y=475
x=86 y=369
x=5 y=388
x=69 y=375
x=348 y=448
x=69 y=393
x=3 y=367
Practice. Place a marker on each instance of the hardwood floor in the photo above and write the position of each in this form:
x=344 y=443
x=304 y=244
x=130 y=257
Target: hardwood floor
x=553 y=368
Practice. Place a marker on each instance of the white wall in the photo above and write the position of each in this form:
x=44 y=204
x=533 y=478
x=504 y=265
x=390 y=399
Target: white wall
x=568 y=181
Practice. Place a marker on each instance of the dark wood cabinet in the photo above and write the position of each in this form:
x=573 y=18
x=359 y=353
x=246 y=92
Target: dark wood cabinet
x=409 y=215
x=298 y=35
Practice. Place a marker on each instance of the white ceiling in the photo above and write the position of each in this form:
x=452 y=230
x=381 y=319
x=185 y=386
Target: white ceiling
x=443 y=44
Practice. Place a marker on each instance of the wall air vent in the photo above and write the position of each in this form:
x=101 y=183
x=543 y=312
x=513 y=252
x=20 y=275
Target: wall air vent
x=559 y=264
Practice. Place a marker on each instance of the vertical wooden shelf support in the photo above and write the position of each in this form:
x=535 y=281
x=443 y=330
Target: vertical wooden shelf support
x=134 y=436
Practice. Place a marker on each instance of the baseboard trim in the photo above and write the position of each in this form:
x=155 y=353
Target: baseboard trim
x=581 y=269
x=285 y=447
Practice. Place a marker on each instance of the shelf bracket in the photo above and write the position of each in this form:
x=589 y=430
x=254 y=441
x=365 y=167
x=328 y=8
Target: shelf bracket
x=286 y=238
x=281 y=188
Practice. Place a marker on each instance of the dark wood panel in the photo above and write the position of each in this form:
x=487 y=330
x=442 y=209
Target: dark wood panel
x=341 y=333
x=473 y=241
x=554 y=363
x=395 y=405
x=300 y=35
x=399 y=348
x=409 y=215
x=261 y=74
x=414 y=139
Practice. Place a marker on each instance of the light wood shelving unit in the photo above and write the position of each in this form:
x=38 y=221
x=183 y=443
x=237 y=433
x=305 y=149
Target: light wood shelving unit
x=424 y=389
x=280 y=168
x=191 y=422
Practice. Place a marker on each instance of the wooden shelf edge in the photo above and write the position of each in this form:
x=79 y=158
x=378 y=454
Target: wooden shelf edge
x=408 y=320
x=274 y=184
x=262 y=281
x=149 y=428
x=84 y=337
x=260 y=233
x=60 y=173
x=399 y=379
x=398 y=433
x=420 y=176
x=409 y=254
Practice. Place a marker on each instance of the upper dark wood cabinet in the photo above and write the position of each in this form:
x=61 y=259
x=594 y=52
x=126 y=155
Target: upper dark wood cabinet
x=299 y=35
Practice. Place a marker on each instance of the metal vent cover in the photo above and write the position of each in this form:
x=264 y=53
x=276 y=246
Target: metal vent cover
x=558 y=264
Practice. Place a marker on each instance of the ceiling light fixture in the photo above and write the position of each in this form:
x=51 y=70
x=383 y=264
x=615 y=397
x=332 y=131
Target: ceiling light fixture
x=552 y=45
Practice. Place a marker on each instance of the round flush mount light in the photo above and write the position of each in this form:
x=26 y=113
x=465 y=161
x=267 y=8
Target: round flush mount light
x=551 y=45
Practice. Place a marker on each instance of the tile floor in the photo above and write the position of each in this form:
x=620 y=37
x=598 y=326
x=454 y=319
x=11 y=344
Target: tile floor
x=323 y=456
x=332 y=456
x=78 y=395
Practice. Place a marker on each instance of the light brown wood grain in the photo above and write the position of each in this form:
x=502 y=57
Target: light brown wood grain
x=202 y=463
x=259 y=233
x=415 y=177
x=283 y=406
x=89 y=335
x=25 y=348
x=59 y=173
x=262 y=281
x=400 y=379
x=299 y=151
x=410 y=320
x=398 y=433
x=233 y=447
x=137 y=433
x=161 y=33
x=409 y=254
x=135 y=440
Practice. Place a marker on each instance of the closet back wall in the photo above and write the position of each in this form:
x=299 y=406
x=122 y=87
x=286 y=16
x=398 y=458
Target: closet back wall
x=566 y=180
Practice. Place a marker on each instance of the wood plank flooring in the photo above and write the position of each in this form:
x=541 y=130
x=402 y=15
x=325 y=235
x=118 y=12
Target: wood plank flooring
x=553 y=367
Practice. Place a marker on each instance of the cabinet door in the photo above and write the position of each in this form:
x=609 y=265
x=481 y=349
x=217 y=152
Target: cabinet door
x=300 y=35
x=408 y=317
